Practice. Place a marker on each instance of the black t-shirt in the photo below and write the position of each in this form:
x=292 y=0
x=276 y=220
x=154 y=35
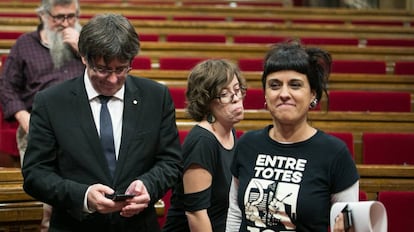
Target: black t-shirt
x=288 y=187
x=201 y=147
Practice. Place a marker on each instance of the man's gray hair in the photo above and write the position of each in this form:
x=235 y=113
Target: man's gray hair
x=47 y=5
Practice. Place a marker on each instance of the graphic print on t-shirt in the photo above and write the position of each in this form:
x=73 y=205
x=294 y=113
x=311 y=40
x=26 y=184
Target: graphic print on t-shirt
x=271 y=195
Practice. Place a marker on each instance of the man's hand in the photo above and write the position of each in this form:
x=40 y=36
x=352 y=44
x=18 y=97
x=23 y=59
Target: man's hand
x=138 y=203
x=71 y=37
x=23 y=117
x=98 y=202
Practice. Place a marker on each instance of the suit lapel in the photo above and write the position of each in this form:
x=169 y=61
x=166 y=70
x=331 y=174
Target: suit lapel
x=81 y=105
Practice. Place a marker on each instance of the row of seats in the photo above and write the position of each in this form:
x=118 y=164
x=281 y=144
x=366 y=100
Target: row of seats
x=259 y=39
x=339 y=100
x=401 y=67
x=250 y=19
x=256 y=64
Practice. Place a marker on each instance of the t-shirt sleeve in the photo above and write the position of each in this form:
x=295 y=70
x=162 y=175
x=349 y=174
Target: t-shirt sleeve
x=202 y=151
x=344 y=172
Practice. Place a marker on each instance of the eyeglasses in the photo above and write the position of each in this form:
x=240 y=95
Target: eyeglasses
x=226 y=98
x=104 y=72
x=60 y=18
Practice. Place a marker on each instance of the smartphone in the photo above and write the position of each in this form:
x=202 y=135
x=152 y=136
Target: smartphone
x=348 y=223
x=119 y=196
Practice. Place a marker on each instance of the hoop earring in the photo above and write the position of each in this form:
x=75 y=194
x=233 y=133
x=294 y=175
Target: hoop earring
x=211 y=119
x=313 y=104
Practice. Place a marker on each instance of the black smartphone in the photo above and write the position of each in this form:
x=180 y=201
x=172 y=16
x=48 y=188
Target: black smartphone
x=119 y=196
x=348 y=223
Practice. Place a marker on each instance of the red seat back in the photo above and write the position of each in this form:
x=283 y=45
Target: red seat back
x=200 y=18
x=399 y=207
x=359 y=66
x=258 y=19
x=398 y=42
x=374 y=101
x=178 y=96
x=388 y=148
x=251 y=64
x=261 y=39
x=404 y=68
x=254 y=99
x=141 y=62
x=179 y=63
x=329 y=41
x=196 y=38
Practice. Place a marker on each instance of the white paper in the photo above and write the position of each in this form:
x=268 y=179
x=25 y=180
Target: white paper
x=367 y=216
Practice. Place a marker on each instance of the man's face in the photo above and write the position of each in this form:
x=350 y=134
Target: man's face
x=60 y=24
x=60 y=17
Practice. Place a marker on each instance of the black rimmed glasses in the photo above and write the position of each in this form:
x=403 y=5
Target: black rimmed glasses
x=60 y=18
x=104 y=72
x=227 y=97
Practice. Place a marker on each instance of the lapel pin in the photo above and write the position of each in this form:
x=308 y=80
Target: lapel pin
x=134 y=102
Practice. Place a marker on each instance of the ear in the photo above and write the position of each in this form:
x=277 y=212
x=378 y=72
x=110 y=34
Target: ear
x=313 y=94
x=84 y=60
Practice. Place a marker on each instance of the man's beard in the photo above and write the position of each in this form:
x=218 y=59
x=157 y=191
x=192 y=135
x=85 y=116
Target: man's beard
x=59 y=51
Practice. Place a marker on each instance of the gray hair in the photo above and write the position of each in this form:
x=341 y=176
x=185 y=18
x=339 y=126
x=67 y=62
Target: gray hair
x=47 y=5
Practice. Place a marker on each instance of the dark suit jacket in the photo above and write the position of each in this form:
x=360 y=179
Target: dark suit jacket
x=64 y=155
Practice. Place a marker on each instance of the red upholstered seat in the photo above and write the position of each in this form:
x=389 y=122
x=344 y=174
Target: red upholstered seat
x=388 y=148
x=200 y=18
x=261 y=39
x=347 y=137
x=363 y=196
x=329 y=41
x=178 y=96
x=254 y=99
x=251 y=64
x=179 y=63
x=146 y=17
x=141 y=62
x=397 y=42
x=404 y=68
x=258 y=19
x=399 y=207
x=10 y=34
x=182 y=134
x=359 y=66
x=374 y=101
x=149 y=37
x=196 y=38
x=15 y=14
x=167 y=203
x=8 y=144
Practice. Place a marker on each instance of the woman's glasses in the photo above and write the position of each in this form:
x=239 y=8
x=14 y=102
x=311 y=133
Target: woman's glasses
x=227 y=97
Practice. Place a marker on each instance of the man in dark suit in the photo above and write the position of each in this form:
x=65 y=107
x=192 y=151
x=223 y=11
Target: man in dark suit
x=66 y=163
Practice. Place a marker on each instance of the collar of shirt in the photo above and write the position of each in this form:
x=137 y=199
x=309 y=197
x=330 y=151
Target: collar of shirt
x=92 y=94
